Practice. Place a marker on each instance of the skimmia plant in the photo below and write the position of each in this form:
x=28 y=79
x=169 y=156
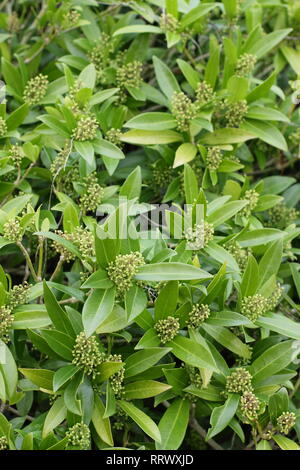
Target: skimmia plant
x=149 y=225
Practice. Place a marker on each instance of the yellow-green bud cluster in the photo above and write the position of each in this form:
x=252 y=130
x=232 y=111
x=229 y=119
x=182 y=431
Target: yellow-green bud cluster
x=254 y=306
x=198 y=314
x=13 y=231
x=239 y=381
x=240 y=254
x=87 y=355
x=130 y=75
x=249 y=405
x=245 y=65
x=114 y=136
x=294 y=137
x=235 y=113
x=122 y=270
x=60 y=160
x=13 y=23
x=161 y=177
x=3 y=127
x=6 y=321
x=93 y=194
x=251 y=196
x=183 y=110
x=70 y=19
x=169 y=23
x=116 y=380
x=61 y=249
x=199 y=236
x=194 y=376
x=204 y=94
x=79 y=435
x=3 y=443
x=274 y=299
x=213 y=158
x=18 y=295
x=101 y=53
x=15 y=153
x=286 y=421
x=167 y=329
x=86 y=128
x=84 y=240
x=35 y=89
x=281 y=216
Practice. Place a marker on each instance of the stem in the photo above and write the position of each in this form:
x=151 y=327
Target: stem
x=196 y=426
x=41 y=255
x=29 y=263
x=58 y=267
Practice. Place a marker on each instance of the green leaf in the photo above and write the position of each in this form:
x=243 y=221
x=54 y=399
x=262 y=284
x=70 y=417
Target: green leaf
x=274 y=360
x=270 y=262
x=137 y=28
x=135 y=302
x=132 y=186
x=57 y=315
x=166 y=301
x=55 y=416
x=266 y=132
x=196 y=13
x=9 y=372
x=165 y=78
x=31 y=316
x=143 y=360
x=101 y=424
x=192 y=353
x=63 y=375
x=97 y=309
x=251 y=278
x=60 y=343
x=259 y=237
x=17 y=117
x=98 y=280
x=227 y=339
x=224 y=213
x=141 y=419
x=173 y=425
x=170 y=272
x=190 y=184
x=144 y=389
x=222 y=415
x=267 y=42
x=184 y=154
x=152 y=121
x=227 y=136
x=146 y=137
x=285 y=443
x=43 y=378
x=280 y=324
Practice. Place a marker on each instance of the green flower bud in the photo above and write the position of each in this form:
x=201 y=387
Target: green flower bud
x=18 y=295
x=13 y=231
x=251 y=196
x=199 y=236
x=6 y=321
x=35 y=89
x=122 y=270
x=194 y=376
x=60 y=162
x=70 y=19
x=87 y=355
x=286 y=421
x=249 y=405
x=198 y=314
x=86 y=129
x=245 y=65
x=213 y=158
x=93 y=194
x=294 y=137
x=161 y=176
x=183 y=110
x=100 y=55
x=16 y=154
x=79 y=435
x=167 y=329
x=61 y=249
x=3 y=443
x=235 y=113
x=129 y=75
x=274 y=299
x=168 y=23
x=116 y=380
x=239 y=381
x=281 y=216
x=3 y=127
x=254 y=306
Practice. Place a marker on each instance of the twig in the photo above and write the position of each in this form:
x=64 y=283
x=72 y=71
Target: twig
x=196 y=426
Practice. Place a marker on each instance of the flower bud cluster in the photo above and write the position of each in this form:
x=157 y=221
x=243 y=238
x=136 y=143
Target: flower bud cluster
x=275 y=298
x=251 y=196
x=183 y=110
x=3 y=127
x=3 y=443
x=116 y=380
x=240 y=254
x=122 y=270
x=13 y=231
x=254 y=306
x=168 y=23
x=86 y=128
x=87 y=355
x=198 y=314
x=235 y=113
x=281 y=216
x=245 y=65
x=167 y=328
x=286 y=421
x=93 y=193
x=199 y=236
x=6 y=321
x=249 y=405
x=35 y=89
x=204 y=94
x=70 y=19
x=79 y=435
x=213 y=158
x=60 y=161
x=15 y=153
x=239 y=381
x=128 y=75
x=114 y=136
x=18 y=295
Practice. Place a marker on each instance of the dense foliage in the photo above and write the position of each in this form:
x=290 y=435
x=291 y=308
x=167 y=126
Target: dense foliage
x=119 y=329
